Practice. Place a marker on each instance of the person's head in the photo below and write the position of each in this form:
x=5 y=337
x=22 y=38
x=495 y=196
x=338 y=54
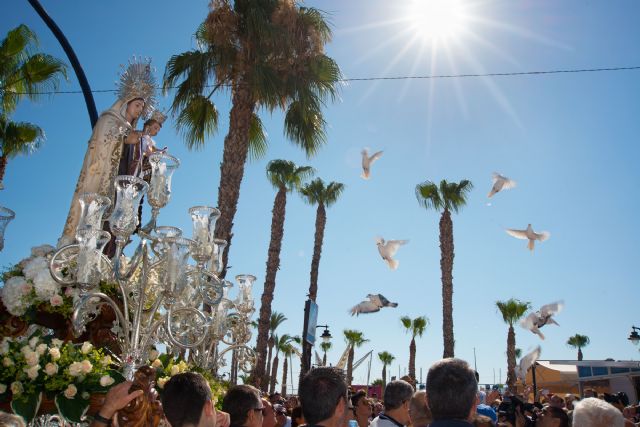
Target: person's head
x=556 y=401
x=276 y=398
x=552 y=416
x=361 y=404
x=418 y=410
x=451 y=390
x=323 y=396
x=482 y=421
x=151 y=127
x=186 y=401
x=592 y=412
x=281 y=414
x=569 y=400
x=244 y=406
x=10 y=420
x=397 y=395
x=135 y=107
x=269 y=415
x=296 y=417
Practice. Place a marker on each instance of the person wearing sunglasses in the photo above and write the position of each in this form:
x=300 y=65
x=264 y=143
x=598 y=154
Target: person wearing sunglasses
x=244 y=405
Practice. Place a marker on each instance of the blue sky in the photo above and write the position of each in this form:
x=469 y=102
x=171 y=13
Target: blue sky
x=569 y=140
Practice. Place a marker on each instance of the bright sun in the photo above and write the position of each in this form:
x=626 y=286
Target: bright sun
x=437 y=20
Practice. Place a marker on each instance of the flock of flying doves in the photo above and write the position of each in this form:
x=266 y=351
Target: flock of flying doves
x=387 y=249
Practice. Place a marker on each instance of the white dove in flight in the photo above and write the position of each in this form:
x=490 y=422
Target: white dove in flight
x=367 y=162
x=375 y=303
x=500 y=183
x=526 y=362
x=388 y=249
x=544 y=316
x=529 y=234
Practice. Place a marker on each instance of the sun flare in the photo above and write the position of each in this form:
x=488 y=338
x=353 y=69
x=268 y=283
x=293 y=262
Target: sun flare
x=437 y=20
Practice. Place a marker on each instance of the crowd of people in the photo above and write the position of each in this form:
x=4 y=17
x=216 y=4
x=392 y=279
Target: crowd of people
x=451 y=399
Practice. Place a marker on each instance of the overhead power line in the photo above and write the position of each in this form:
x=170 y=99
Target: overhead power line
x=437 y=76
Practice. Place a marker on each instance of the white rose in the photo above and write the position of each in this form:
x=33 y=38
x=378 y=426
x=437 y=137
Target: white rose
x=33 y=266
x=86 y=347
x=13 y=293
x=3 y=388
x=71 y=391
x=106 y=380
x=33 y=342
x=45 y=286
x=86 y=366
x=4 y=346
x=41 y=349
x=54 y=353
x=153 y=354
x=75 y=369
x=175 y=370
x=6 y=362
x=32 y=372
x=85 y=395
x=16 y=388
x=42 y=250
x=56 y=342
x=32 y=358
x=25 y=350
x=56 y=300
x=106 y=360
x=51 y=369
x=162 y=381
x=157 y=363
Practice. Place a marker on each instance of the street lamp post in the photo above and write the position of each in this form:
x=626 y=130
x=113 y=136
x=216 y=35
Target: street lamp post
x=634 y=337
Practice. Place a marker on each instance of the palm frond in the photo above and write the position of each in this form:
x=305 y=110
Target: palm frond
x=316 y=192
x=386 y=358
x=257 y=139
x=304 y=125
x=196 y=121
x=193 y=70
x=19 y=138
x=512 y=309
x=428 y=196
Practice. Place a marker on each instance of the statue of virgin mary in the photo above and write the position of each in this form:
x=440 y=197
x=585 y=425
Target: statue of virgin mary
x=114 y=128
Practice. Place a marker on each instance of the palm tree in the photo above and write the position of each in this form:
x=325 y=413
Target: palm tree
x=416 y=328
x=317 y=193
x=276 y=320
x=285 y=176
x=270 y=54
x=23 y=74
x=446 y=197
x=578 y=341
x=386 y=358
x=288 y=350
x=17 y=138
x=325 y=346
x=512 y=310
x=281 y=342
x=354 y=339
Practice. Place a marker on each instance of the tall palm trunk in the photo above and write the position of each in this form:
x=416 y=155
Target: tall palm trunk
x=412 y=359
x=271 y=343
x=384 y=377
x=511 y=359
x=3 y=167
x=283 y=388
x=321 y=221
x=446 y=266
x=350 y=366
x=236 y=147
x=274 y=374
x=579 y=353
x=324 y=359
x=273 y=263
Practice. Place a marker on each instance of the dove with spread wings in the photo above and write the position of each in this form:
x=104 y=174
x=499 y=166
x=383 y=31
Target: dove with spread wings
x=536 y=320
x=375 y=303
x=529 y=234
x=500 y=182
x=526 y=362
x=388 y=249
x=367 y=161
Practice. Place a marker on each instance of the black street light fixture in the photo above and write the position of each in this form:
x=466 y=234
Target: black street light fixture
x=634 y=337
x=326 y=335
